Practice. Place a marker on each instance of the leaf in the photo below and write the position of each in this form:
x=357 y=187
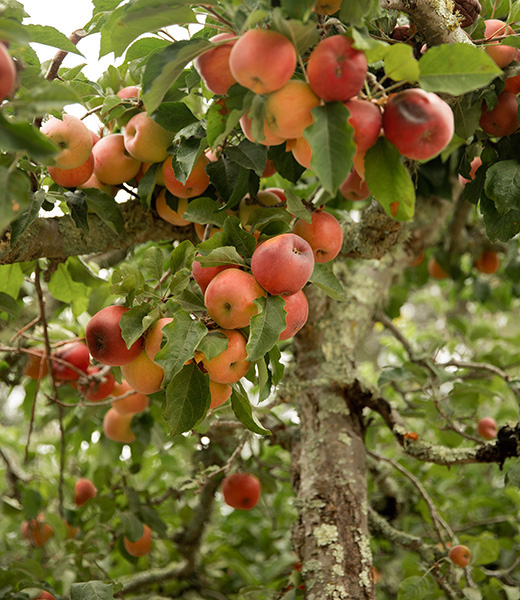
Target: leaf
x=162 y=69
x=185 y=157
x=266 y=326
x=400 y=63
x=106 y=208
x=18 y=136
x=92 y=590
x=78 y=209
x=132 y=526
x=413 y=588
x=456 y=69
x=356 y=11
x=249 y=156
x=324 y=278
x=153 y=261
x=205 y=211
x=224 y=255
x=183 y=335
x=244 y=242
x=243 y=411
x=9 y=305
x=132 y=323
x=296 y=207
x=50 y=36
x=389 y=181
x=285 y=163
x=332 y=142
x=11 y=279
x=498 y=226
x=64 y=288
x=174 y=116
x=182 y=256
x=14 y=188
x=503 y=185
x=230 y=179
x=187 y=400
x=213 y=344
x=277 y=367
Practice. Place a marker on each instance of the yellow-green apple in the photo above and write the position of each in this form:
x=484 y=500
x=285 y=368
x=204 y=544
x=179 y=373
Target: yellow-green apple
x=141 y=546
x=84 y=490
x=113 y=163
x=241 y=490
x=487 y=428
x=7 y=73
x=301 y=150
x=130 y=91
x=283 y=264
x=118 y=426
x=203 y=275
x=104 y=339
x=213 y=65
x=248 y=206
x=326 y=7
x=279 y=192
x=143 y=374
x=297 y=309
x=460 y=555
x=230 y=296
x=269 y=139
x=36 y=531
x=503 y=118
x=167 y=213
x=219 y=392
x=129 y=403
x=97 y=388
x=72 y=137
x=502 y=55
x=230 y=365
x=324 y=235
x=75 y=354
x=488 y=262
x=336 y=70
x=354 y=187
x=288 y=109
x=146 y=140
x=418 y=123
x=262 y=60
x=75 y=177
x=196 y=184
x=366 y=120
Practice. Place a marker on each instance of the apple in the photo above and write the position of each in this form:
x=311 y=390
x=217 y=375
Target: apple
x=7 y=73
x=154 y=337
x=488 y=262
x=74 y=353
x=203 y=275
x=84 y=490
x=37 y=531
x=283 y=264
x=220 y=392
x=201 y=229
x=460 y=555
x=262 y=60
x=45 y=596
x=196 y=184
x=104 y=339
x=95 y=390
x=435 y=270
x=35 y=366
x=301 y=150
x=130 y=91
x=117 y=426
x=213 y=65
x=128 y=403
x=93 y=182
x=502 y=55
x=269 y=139
x=230 y=365
x=487 y=428
x=248 y=205
x=288 y=109
x=354 y=187
x=230 y=298
x=512 y=84
x=113 y=163
x=326 y=7
x=72 y=137
x=70 y=178
x=241 y=490
x=324 y=235
x=336 y=70
x=475 y=164
x=146 y=140
x=269 y=170
x=297 y=309
x=143 y=374
x=366 y=120
x=503 y=118
x=169 y=214
x=141 y=546
x=279 y=192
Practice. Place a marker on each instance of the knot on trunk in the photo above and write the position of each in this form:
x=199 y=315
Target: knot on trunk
x=468 y=10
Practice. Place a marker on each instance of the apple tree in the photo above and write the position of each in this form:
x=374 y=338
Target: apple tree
x=259 y=299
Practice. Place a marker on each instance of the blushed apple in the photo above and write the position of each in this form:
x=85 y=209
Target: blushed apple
x=196 y=183
x=354 y=187
x=71 y=178
x=503 y=118
x=220 y=392
x=230 y=365
x=144 y=375
x=141 y=546
x=269 y=139
x=113 y=163
x=297 y=309
x=324 y=235
x=366 y=120
x=288 y=109
x=213 y=65
x=118 y=426
x=146 y=140
x=169 y=214
x=128 y=403
x=502 y=55
x=75 y=354
x=72 y=137
x=203 y=275
x=7 y=73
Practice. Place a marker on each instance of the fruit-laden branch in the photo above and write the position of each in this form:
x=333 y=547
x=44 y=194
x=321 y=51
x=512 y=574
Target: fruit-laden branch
x=58 y=237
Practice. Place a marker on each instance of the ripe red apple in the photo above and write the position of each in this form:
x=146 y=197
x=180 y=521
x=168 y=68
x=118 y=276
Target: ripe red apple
x=146 y=140
x=262 y=60
x=203 y=275
x=144 y=375
x=142 y=546
x=72 y=137
x=34 y=365
x=488 y=262
x=84 y=490
x=169 y=214
x=241 y=490
x=336 y=70
x=45 y=596
x=297 y=309
x=230 y=365
x=70 y=178
x=113 y=163
x=283 y=264
x=301 y=150
x=288 y=109
x=96 y=390
x=418 y=123
x=75 y=353
x=213 y=65
x=93 y=182
x=366 y=120
x=487 y=428
x=512 y=84
x=220 y=392
x=502 y=55
x=37 y=532
x=7 y=73
x=269 y=139
x=230 y=298
x=130 y=91
x=324 y=235
x=435 y=270
x=128 y=403
x=354 y=188
x=117 y=426
x=503 y=118
x=475 y=164
x=196 y=184
x=460 y=555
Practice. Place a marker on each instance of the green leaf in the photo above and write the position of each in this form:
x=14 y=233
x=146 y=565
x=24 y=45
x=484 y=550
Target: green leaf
x=224 y=255
x=285 y=164
x=12 y=31
x=456 y=69
x=249 y=156
x=50 y=36
x=106 y=208
x=78 y=209
x=389 y=181
x=183 y=335
x=499 y=226
x=332 y=142
x=243 y=411
x=162 y=69
x=153 y=262
x=213 y=344
x=187 y=400
x=512 y=469
x=132 y=526
x=11 y=279
x=9 y=305
x=303 y=35
x=413 y=588
x=185 y=157
x=147 y=185
x=205 y=211
x=16 y=136
x=133 y=323
x=230 y=179
x=174 y=116
x=15 y=185
x=503 y=185
x=182 y=256
x=400 y=63
x=356 y=11
x=131 y=20
x=277 y=367
x=244 y=242
x=92 y=590
x=266 y=326
x=128 y=279
x=324 y=278
x=297 y=208
x=64 y=288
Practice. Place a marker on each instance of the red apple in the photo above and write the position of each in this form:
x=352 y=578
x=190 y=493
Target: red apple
x=146 y=140
x=460 y=555
x=203 y=275
x=366 y=120
x=354 y=188
x=297 y=309
x=488 y=262
x=336 y=70
x=435 y=270
x=70 y=178
x=34 y=368
x=72 y=137
x=84 y=490
x=502 y=55
x=37 y=532
x=74 y=353
x=196 y=183
x=141 y=546
x=213 y=65
x=241 y=490
x=128 y=403
x=220 y=392
x=487 y=428
x=113 y=163
x=324 y=235
x=130 y=91
x=230 y=365
x=503 y=118
x=7 y=73
x=288 y=109
x=96 y=390
x=117 y=426
x=475 y=164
